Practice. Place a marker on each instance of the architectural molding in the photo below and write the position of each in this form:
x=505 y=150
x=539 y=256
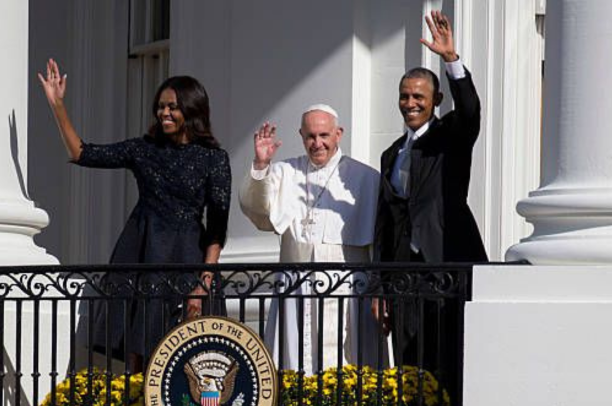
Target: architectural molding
x=95 y=202
x=20 y=220
x=572 y=226
x=522 y=116
x=429 y=59
x=361 y=84
x=80 y=195
x=504 y=55
x=572 y=210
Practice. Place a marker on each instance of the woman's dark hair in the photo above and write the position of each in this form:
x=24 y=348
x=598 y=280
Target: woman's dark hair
x=192 y=100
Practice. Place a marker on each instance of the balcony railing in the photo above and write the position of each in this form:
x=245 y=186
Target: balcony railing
x=57 y=321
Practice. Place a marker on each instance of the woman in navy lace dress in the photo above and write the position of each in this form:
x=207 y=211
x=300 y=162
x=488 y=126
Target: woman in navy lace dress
x=182 y=176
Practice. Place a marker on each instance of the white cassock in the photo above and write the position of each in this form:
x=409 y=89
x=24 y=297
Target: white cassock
x=324 y=214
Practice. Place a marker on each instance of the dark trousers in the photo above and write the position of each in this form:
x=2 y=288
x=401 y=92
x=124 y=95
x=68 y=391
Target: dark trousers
x=426 y=334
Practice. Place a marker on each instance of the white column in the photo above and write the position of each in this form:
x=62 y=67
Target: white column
x=502 y=46
x=19 y=219
x=572 y=210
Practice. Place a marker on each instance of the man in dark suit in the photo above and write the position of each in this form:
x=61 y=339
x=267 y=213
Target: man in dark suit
x=423 y=214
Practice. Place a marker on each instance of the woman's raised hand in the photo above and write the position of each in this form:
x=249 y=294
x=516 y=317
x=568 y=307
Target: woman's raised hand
x=266 y=145
x=54 y=84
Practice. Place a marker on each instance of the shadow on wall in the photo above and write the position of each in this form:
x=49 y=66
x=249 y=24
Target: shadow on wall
x=269 y=61
x=15 y=153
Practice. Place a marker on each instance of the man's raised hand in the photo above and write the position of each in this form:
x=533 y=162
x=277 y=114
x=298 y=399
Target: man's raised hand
x=266 y=145
x=442 y=36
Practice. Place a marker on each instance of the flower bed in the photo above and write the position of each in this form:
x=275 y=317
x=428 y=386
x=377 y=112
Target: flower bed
x=99 y=390
x=372 y=383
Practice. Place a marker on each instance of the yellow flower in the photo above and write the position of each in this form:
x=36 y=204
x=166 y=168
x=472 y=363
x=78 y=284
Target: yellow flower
x=92 y=385
x=372 y=382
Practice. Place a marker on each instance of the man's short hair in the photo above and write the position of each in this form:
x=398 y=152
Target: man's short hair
x=423 y=73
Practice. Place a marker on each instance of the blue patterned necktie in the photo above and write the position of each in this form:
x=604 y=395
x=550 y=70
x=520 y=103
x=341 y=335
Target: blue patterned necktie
x=404 y=169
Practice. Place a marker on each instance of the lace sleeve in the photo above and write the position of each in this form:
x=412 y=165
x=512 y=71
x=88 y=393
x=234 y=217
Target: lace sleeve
x=117 y=155
x=219 y=187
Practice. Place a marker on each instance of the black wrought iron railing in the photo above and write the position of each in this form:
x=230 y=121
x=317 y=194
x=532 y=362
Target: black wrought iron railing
x=65 y=326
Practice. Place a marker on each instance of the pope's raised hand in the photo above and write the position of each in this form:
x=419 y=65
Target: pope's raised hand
x=442 y=36
x=266 y=144
x=54 y=84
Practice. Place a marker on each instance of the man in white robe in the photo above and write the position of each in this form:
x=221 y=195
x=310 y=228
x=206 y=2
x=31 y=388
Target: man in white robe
x=323 y=205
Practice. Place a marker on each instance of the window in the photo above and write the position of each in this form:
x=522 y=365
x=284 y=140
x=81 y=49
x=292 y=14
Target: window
x=149 y=51
x=148 y=64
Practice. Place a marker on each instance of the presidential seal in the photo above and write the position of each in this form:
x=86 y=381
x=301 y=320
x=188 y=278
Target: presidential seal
x=211 y=361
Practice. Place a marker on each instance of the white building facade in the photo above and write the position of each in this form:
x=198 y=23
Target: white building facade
x=268 y=60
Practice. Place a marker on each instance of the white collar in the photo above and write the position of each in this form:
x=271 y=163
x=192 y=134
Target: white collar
x=418 y=133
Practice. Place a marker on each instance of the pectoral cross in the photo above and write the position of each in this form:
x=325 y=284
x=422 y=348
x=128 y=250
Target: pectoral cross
x=306 y=223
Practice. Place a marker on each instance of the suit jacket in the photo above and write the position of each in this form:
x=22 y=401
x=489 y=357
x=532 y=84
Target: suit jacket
x=436 y=213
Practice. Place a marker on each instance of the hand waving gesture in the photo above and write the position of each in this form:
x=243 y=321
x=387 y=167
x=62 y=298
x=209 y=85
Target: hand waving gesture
x=266 y=145
x=54 y=85
x=442 y=36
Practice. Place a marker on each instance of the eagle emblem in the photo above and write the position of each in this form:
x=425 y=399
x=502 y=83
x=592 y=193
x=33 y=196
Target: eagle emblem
x=211 y=376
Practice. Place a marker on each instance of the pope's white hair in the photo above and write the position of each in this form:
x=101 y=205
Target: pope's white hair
x=322 y=107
